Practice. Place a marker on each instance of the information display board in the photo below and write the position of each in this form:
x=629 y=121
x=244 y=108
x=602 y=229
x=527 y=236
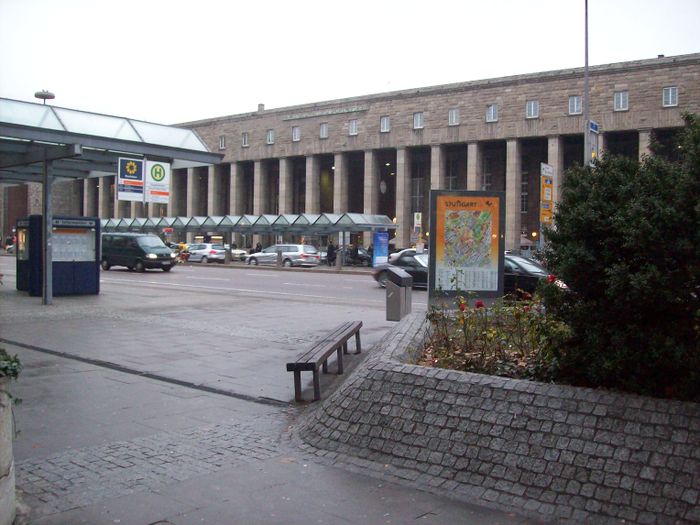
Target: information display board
x=467 y=240
x=380 y=248
x=75 y=253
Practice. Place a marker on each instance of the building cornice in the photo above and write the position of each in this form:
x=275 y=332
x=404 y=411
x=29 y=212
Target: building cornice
x=359 y=103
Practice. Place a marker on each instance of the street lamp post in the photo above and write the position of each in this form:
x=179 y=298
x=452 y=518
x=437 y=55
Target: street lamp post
x=44 y=95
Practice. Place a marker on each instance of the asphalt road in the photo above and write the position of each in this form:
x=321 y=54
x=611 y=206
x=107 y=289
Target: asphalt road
x=231 y=329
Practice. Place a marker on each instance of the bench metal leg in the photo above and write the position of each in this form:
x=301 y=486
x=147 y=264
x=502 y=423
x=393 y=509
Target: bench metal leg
x=340 y=360
x=297 y=386
x=345 y=347
x=317 y=386
x=358 y=345
x=325 y=366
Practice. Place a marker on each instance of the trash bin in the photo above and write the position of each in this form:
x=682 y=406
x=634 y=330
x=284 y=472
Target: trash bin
x=398 y=294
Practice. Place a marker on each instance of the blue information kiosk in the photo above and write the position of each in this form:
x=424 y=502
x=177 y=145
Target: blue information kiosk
x=75 y=254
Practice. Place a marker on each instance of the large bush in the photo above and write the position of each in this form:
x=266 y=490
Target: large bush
x=627 y=242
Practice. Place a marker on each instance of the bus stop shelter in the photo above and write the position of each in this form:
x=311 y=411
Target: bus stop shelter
x=41 y=143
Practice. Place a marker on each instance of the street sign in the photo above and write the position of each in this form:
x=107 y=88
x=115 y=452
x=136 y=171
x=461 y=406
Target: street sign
x=594 y=127
x=546 y=170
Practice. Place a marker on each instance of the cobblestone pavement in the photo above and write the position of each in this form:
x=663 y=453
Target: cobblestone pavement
x=82 y=477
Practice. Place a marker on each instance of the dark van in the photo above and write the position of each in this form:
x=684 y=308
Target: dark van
x=136 y=251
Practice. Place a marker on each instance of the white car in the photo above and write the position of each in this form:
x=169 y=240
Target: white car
x=206 y=252
x=292 y=255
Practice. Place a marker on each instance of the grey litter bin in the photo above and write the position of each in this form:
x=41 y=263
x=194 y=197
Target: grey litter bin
x=398 y=294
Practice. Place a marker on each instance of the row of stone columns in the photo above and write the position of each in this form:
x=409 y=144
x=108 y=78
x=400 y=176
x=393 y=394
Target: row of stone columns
x=555 y=158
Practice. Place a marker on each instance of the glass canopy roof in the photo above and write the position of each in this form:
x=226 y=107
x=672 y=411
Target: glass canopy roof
x=85 y=123
x=80 y=144
x=324 y=223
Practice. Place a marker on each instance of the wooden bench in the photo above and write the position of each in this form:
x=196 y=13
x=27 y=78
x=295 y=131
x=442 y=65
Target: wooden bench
x=316 y=356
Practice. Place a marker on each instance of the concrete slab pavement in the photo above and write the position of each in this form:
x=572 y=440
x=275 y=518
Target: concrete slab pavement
x=98 y=448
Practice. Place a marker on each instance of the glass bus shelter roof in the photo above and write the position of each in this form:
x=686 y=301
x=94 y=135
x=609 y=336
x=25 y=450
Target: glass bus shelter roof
x=320 y=224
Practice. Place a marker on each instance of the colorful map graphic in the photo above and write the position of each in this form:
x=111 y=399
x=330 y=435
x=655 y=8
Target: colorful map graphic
x=467 y=239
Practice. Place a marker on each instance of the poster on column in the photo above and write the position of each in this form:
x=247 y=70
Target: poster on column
x=157 y=182
x=130 y=180
x=466 y=243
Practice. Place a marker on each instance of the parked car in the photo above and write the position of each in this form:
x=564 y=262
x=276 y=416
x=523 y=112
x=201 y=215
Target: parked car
x=136 y=251
x=206 y=252
x=292 y=255
x=415 y=264
x=236 y=253
x=520 y=275
x=350 y=258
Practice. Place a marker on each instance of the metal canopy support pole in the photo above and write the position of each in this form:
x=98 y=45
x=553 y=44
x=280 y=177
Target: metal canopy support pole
x=586 y=101
x=47 y=223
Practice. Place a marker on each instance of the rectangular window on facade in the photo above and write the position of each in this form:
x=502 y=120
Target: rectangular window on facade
x=453 y=117
x=418 y=120
x=670 y=97
x=296 y=133
x=487 y=176
x=621 y=101
x=352 y=127
x=323 y=130
x=524 y=194
x=575 y=105
x=270 y=136
x=532 y=109
x=417 y=194
x=222 y=142
x=244 y=139
x=385 y=124
x=492 y=113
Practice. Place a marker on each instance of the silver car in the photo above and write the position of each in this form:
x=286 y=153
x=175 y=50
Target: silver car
x=292 y=255
x=206 y=252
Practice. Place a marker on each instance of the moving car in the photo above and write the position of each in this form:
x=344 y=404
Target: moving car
x=206 y=252
x=415 y=264
x=136 y=251
x=292 y=255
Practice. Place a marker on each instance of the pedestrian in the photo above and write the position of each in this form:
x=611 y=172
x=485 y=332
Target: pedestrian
x=258 y=247
x=330 y=254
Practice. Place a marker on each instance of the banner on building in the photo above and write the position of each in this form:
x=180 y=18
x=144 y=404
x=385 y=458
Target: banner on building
x=130 y=184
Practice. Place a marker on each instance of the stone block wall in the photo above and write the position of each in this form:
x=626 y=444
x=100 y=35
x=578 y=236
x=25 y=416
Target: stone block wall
x=551 y=451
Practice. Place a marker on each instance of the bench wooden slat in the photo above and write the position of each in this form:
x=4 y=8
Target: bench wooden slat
x=317 y=355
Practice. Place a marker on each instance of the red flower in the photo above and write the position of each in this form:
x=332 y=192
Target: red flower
x=461 y=306
x=526 y=308
x=551 y=278
x=479 y=304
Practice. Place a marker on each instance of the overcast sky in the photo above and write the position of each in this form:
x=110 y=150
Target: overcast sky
x=173 y=61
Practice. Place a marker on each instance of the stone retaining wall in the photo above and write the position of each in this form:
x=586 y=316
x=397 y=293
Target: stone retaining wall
x=556 y=452
x=7 y=464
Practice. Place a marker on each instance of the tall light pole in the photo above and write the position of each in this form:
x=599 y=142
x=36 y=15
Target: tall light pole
x=44 y=95
x=586 y=114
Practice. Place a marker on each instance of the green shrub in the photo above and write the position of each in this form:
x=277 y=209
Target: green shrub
x=627 y=242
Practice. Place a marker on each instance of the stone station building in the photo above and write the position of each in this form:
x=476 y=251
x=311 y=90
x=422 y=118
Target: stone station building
x=381 y=154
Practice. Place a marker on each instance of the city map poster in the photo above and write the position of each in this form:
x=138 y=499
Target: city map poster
x=467 y=242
